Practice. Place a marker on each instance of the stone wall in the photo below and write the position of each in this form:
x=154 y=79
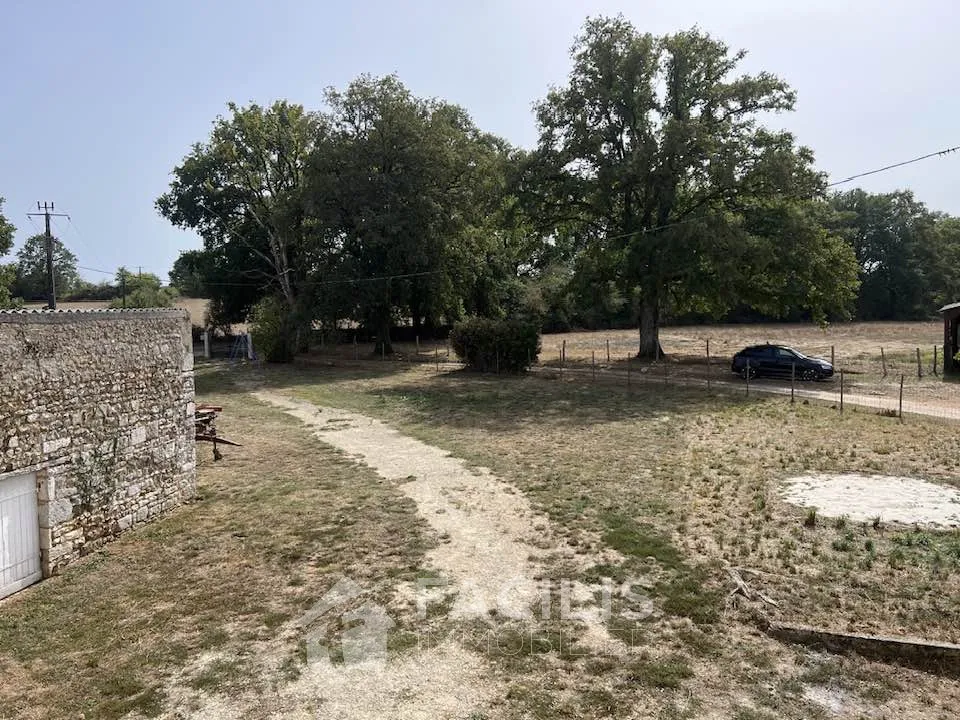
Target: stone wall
x=99 y=405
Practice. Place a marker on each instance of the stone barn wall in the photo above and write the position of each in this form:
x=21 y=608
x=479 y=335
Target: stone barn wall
x=99 y=406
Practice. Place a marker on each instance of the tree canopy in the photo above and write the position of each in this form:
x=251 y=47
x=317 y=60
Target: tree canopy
x=653 y=153
x=31 y=282
x=659 y=188
x=6 y=232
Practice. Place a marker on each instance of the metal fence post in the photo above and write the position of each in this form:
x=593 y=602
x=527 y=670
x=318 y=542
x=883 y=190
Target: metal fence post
x=793 y=380
x=841 y=392
x=708 y=363
x=608 y=351
x=833 y=355
x=593 y=364
x=883 y=362
x=919 y=365
x=900 y=410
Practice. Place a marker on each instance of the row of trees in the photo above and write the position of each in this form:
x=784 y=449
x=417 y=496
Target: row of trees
x=26 y=279
x=653 y=190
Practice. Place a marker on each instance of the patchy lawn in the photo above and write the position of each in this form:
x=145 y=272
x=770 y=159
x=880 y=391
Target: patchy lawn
x=684 y=484
x=671 y=486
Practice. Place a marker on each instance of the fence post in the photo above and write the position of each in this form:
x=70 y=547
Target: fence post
x=563 y=355
x=935 y=371
x=708 y=363
x=833 y=354
x=883 y=362
x=841 y=392
x=593 y=364
x=436 y=357
x=628 y=372
x=748 y=377
x=417 y=338
x=919 y=365
x=793 y=380
x=900 y=410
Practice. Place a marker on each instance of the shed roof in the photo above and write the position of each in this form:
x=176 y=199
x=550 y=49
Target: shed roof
x=952 y=307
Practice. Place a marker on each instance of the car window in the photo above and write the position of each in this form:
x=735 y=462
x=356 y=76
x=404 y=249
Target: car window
x=787 y=355
x=761 y=352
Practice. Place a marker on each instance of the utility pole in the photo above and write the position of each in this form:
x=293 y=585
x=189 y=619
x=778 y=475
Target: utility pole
x=47 y=211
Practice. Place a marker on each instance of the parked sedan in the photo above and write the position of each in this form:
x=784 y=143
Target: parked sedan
x=779 y=361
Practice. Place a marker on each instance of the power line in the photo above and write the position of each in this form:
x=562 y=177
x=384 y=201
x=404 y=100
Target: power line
x=939 y=153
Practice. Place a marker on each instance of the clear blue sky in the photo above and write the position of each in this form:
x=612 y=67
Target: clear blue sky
x=100 y=100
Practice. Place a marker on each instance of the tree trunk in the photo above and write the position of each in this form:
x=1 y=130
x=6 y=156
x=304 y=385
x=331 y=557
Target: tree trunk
x=650 y=327
x=383 y=345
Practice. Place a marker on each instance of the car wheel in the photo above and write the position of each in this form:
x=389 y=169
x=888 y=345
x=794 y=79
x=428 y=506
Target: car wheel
x=809 y=374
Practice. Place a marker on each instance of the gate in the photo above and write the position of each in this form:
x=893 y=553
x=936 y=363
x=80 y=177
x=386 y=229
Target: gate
x=19 y=534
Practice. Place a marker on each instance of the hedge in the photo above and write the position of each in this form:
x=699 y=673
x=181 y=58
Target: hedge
x=491 y=345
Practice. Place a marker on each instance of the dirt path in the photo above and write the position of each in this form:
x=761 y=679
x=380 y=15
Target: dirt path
x=492 y=551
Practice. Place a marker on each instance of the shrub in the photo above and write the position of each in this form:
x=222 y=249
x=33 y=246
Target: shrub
x=272 y=329
x=491 y=345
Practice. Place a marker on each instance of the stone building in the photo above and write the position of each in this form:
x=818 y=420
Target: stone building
x=96 y=431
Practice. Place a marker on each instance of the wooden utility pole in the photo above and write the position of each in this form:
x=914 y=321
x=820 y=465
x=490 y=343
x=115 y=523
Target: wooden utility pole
x=47 y=211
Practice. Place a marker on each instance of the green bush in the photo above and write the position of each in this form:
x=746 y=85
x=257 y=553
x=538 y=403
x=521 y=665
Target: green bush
x=272 y=330
x=496 y=345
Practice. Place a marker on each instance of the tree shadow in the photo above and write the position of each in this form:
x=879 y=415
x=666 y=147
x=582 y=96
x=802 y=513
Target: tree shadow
x=498 y=403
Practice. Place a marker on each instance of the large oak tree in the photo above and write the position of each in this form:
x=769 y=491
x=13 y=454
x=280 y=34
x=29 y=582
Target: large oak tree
x=653 y=152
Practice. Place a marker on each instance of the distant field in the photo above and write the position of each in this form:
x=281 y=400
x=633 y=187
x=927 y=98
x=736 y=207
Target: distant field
x=195 y=306
x=851 y=341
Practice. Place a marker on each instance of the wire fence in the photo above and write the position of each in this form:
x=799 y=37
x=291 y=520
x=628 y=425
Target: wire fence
x=896 y=384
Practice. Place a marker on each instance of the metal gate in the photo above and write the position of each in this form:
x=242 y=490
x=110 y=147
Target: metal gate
x=19 y=534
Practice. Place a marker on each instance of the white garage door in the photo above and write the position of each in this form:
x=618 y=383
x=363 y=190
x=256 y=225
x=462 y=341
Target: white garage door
x=19 y=534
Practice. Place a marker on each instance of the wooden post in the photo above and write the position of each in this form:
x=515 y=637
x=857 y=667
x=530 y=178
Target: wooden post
x=883 y=362
x=919 y=365
x=793 y=380
x=900 y=410
x=833 y=355
x=841 y=392
x=563 y=353
x=608 y=351
x=708 y=363
x=593 y=364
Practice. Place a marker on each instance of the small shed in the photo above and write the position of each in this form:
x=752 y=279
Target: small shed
x=951 y=324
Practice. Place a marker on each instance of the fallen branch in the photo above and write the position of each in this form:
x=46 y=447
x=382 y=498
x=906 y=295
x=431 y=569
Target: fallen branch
x=745 y=590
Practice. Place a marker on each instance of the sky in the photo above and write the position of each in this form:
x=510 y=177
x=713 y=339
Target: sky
x=100 y=100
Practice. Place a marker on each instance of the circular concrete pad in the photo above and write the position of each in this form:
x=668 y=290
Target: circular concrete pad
x=865 y=497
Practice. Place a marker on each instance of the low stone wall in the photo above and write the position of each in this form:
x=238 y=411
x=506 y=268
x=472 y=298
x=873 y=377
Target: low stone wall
x=99 y=406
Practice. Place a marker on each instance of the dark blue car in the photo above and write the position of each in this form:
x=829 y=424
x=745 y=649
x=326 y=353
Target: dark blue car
x=779 y=361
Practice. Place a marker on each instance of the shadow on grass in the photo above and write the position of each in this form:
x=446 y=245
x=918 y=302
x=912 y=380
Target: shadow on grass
x=468 y=399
